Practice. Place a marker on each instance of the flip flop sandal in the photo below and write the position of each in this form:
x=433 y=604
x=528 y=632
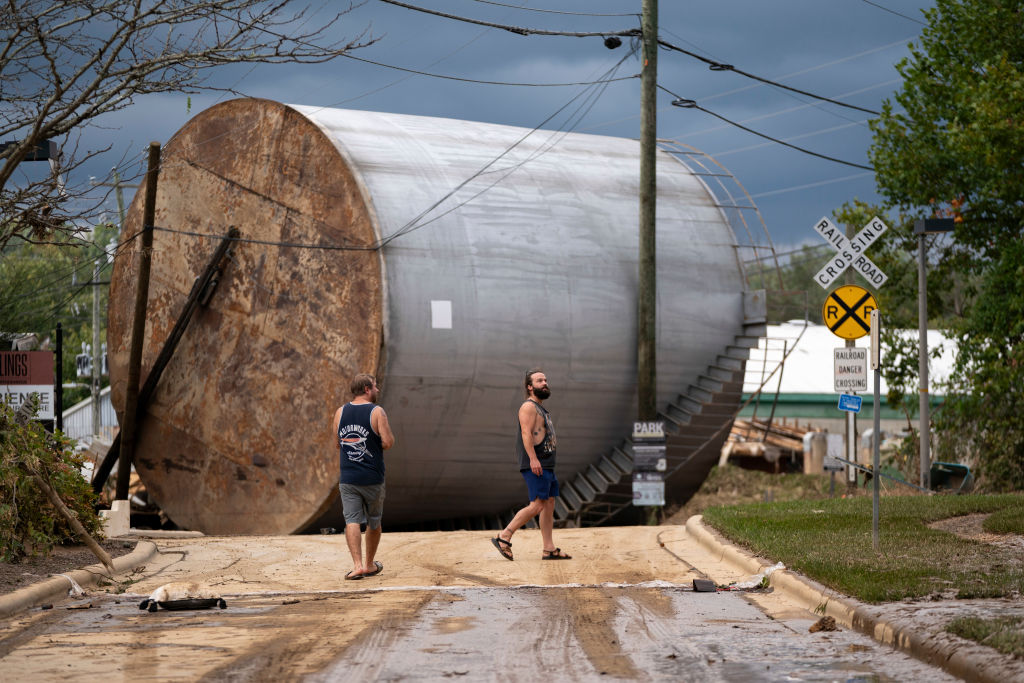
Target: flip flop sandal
x=353 y=577
x=555 y=554
x=378 y=570
x=506 y=550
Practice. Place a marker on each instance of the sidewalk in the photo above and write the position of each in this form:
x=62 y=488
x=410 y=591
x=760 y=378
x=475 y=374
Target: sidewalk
x=275 y=565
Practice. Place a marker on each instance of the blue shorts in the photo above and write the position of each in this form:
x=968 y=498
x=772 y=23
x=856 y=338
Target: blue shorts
x=544 y=486
x=362 y=504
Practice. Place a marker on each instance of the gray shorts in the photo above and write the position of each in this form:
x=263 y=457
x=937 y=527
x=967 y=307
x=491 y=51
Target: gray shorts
x=362 y=504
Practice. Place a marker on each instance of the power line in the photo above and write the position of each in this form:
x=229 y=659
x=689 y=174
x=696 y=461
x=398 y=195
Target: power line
x=628 y=33
x=692 y=104
x=809 y=134
x=808 y=185
x=890 y=11
x=719 y=66
x=472 y=80
x=554 y=11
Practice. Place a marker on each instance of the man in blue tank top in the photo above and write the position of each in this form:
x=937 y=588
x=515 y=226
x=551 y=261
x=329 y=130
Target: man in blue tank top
x=363 y=435
x=535 y=450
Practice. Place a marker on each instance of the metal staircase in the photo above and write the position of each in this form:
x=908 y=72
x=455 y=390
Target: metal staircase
x=697 y=422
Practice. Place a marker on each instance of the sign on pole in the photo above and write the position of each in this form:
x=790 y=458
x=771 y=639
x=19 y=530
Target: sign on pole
x=850 y=252
x=847 y=311
x=23 y=373
x=649 y=463
x=850 y=403
x=851 y=369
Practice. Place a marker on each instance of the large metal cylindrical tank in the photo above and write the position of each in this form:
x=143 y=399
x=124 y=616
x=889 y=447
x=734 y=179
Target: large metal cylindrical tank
x=446 y=257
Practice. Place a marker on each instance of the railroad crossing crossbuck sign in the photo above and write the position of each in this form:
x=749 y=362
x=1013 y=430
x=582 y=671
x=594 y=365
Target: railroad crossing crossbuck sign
x=850 y=252
x=847 y=311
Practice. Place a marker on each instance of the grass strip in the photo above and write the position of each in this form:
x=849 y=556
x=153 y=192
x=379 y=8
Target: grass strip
x=1005 y=634
x=831 y=542
x=1006 y=521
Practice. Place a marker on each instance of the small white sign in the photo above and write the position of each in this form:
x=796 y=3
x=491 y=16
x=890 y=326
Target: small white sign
x=441 y=314
x=851 y=369
x=648 y=489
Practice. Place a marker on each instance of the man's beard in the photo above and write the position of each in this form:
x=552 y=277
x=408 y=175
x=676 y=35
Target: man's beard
x=542 y=393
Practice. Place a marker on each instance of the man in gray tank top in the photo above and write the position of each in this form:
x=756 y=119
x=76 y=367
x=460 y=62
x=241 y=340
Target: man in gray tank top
x=536 y=446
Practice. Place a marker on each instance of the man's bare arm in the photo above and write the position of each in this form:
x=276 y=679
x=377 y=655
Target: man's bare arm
x=380 y=424
x=528 y=429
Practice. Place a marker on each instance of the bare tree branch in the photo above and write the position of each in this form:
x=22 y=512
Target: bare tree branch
x=65 y=63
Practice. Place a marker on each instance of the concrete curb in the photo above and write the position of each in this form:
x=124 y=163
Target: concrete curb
x=57 y=587
x=847 y=611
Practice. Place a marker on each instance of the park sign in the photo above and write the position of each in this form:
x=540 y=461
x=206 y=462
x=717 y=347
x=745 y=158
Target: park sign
x=850 y=252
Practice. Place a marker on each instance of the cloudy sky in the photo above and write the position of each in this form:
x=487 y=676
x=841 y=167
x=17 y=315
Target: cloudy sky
x=840 y=49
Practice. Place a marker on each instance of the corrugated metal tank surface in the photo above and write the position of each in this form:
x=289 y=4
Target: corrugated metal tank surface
x=529 y=240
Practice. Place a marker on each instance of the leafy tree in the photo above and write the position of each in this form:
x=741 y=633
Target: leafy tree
x=44 y=284
x=955 y=150
x=30 y=461
x=63 y=65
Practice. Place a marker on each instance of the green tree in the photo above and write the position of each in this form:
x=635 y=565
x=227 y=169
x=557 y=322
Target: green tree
x=951 y=145
x=44 y=284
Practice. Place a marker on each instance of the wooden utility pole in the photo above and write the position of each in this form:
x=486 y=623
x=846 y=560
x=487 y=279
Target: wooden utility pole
x=129 y=428
x=647 y=379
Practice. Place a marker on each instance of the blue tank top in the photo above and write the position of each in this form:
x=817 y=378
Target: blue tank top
x=361 y=453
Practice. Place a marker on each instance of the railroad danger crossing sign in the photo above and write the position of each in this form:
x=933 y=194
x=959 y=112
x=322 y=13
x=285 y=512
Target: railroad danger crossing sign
x=850 y=252
x=847 y=311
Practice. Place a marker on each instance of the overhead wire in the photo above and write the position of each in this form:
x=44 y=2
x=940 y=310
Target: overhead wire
x=519 y=30
x=809 y=134
x=892 y=11
x=720 y=66
x=555 y=11
x=692 y=104
x=808 y=186
x=473 y=80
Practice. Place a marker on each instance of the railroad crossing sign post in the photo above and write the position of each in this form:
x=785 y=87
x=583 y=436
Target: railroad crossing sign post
x=850 y=252
x=847 y=310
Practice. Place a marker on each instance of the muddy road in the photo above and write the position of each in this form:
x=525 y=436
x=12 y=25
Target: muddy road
x=446 y=606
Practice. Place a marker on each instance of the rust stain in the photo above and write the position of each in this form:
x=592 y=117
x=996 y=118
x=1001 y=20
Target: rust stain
x=257 y=372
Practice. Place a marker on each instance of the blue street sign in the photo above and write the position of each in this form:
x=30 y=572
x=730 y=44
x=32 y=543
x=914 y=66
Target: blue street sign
x=850 y=403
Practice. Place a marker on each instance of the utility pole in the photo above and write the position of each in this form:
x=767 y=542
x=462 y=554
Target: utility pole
x=647 y=380
x=97 y=355
x=131 y=401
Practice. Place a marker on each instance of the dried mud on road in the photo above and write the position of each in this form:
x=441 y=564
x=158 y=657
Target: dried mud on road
x=445 y=606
